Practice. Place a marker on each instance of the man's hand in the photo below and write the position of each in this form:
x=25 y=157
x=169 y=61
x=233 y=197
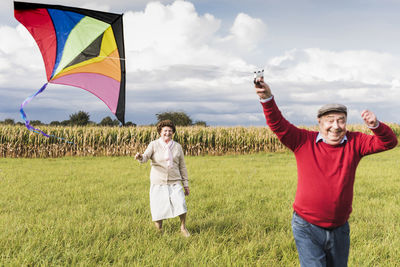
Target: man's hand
x=262 y=89
x=138 y=156
x=369 y=118
x=187 y=191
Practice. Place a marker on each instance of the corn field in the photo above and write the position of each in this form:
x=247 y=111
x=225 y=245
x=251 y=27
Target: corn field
x=17 y=141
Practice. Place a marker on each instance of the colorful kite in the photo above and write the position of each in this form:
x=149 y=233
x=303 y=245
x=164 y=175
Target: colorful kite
x=80 y=47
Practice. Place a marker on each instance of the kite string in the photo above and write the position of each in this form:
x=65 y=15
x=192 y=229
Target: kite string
x=27 y=122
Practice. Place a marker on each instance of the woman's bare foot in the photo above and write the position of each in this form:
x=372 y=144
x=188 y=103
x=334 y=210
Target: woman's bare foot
x=185 y=232
x=158 y=225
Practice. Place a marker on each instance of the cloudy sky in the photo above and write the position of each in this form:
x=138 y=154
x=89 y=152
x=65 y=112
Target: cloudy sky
x=199 y=56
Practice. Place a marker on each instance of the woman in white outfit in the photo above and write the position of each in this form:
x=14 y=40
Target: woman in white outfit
x=168 y=177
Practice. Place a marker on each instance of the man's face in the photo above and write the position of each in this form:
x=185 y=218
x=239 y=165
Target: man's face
x=332 y=127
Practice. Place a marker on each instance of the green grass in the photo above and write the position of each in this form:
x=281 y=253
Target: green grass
x=95 y=212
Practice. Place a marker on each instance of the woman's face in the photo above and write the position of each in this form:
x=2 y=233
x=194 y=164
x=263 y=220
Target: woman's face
x=166 y=133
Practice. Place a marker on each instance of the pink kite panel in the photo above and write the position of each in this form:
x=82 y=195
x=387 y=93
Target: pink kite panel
x=105 y=88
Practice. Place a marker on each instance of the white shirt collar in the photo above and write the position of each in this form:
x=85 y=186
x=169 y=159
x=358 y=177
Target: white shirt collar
x=320 y=138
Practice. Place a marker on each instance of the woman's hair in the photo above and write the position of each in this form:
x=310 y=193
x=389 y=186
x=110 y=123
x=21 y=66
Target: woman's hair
x=165 y=123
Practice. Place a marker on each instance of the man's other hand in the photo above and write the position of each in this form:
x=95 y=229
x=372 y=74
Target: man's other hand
x=369 y=118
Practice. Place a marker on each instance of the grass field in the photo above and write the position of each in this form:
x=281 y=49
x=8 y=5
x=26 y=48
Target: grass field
x=94 y=211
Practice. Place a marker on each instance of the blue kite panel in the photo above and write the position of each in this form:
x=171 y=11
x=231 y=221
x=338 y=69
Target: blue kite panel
x=64 y=22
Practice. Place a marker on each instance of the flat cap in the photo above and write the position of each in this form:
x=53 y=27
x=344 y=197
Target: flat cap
x=332 y=108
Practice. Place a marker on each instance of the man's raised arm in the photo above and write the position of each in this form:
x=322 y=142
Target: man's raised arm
x=288 y=134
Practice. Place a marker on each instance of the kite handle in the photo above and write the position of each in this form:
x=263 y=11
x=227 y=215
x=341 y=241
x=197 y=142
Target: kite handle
x=27 y=122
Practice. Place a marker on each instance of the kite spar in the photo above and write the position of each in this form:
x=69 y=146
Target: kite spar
x=80 y=47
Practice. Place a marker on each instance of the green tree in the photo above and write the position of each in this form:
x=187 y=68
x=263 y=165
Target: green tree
x=130 y=124
x=55 y=123
x=200 y=123
x=35 y=122
x=107 y=121
x=9 y=122
x=179 y=118
x=80 y=118
x=65 y=123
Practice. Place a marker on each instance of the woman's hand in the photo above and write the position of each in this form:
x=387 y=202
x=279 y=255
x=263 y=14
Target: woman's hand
x=138 y=156
x=187 y=191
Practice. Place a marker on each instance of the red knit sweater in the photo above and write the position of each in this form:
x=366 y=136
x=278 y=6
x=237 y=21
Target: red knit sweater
x=326 y=173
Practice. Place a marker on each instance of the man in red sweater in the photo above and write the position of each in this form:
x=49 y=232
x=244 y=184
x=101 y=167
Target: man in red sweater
x=326 y=167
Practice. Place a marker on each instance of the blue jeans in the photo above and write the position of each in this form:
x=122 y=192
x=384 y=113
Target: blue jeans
x=318 y=246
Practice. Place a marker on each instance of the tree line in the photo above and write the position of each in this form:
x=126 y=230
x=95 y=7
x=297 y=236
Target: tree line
x=82 y=118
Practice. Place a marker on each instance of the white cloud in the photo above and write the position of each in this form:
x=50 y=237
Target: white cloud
x=21 y=65
x=97 y=6
x=358 y=78
x=18 y=44
x=314 y=64
x=247 y=32
x=165 y=35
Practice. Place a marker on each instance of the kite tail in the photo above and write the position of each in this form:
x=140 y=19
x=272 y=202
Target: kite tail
x=27 y=122
x=23 y=114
